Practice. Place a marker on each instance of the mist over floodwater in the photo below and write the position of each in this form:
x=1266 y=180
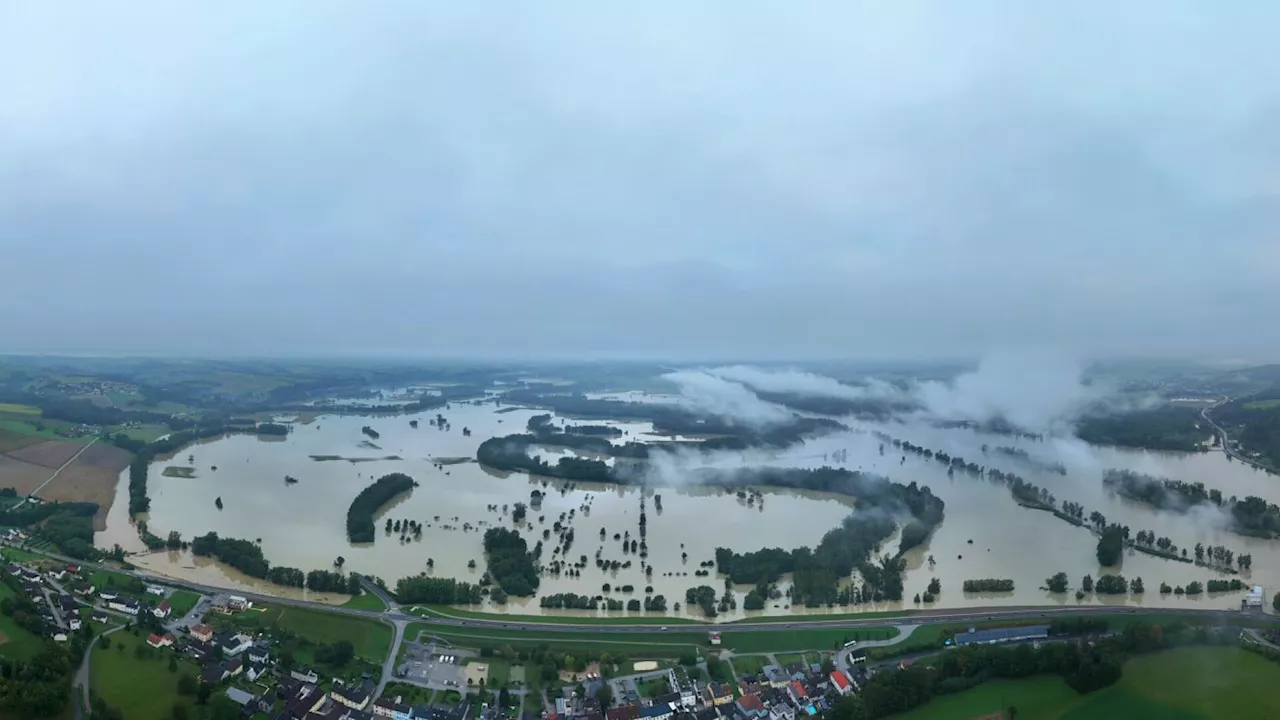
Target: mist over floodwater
x=985 y=533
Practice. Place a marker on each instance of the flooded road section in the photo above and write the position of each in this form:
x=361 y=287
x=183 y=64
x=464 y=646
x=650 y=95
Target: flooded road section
x=985 y=533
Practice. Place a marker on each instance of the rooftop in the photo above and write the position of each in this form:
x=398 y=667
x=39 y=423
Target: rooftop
x=1002 y=634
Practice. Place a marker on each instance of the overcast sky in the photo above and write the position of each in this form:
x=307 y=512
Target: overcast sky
x=753 y=180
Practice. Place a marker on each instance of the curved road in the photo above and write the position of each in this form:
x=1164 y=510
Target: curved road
x=1224 y=442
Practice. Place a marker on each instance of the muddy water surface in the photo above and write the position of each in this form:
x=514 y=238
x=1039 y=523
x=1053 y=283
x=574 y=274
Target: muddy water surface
x=985 y=534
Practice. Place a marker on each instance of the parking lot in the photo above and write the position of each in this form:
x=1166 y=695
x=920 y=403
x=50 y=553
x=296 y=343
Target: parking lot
x=437 y=668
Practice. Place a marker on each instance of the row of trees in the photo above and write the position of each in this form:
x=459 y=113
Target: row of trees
x=247 y=557
x=989 y=585
x=360 y=515
x=436 y=591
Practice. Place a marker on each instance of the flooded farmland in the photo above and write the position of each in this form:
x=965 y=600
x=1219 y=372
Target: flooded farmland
x=985 y=534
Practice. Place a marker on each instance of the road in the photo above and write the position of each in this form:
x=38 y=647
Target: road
x=1224 y=442
x=57 y=472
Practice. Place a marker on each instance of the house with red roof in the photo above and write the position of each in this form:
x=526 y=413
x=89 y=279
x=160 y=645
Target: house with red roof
x=797 y=692
x=841 y=682
x=162 y=610
x=159 y=641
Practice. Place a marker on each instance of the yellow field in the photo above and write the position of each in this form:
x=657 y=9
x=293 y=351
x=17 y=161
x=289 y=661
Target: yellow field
x=16 y=409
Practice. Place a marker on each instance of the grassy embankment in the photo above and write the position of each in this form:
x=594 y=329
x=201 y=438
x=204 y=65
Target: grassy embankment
x=671 y=643
x=456 y=614
x=366 y=601
x=1195 y=683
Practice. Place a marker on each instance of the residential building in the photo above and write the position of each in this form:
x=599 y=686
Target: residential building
x=237 y=603
x=233 y=644
x=162 y=610
x=749 y=706
x=159 y=641
x=74 y=623
x=203 y=633
x=305 y=675
x=213 y=673
x=240 y=697
x=82 y=588
x=857 y=656
x=798 y=692
x=622 y=712
x=108 y=594
x=392 y=708
x=73 y=569
x=658 y=712
x=99 y=617
x=260 y=652
x=782 y=711
x=776 y=676
x=155 y=590
x=716 y=693
x=999 y=635
x=841 y=682
x=124 y=605
x=680 y=683
x=353 y=697
x=255 y=671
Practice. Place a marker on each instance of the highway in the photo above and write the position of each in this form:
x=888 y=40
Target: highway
x=1224 y=442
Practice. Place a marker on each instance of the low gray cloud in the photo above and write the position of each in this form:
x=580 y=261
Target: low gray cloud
x=755 y=181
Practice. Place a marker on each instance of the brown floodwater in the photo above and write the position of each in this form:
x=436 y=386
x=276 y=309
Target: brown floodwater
x=985 y=534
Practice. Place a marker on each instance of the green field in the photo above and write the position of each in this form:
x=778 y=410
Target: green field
x=1262 y=404
x=659 y=644
x=22 y=427
x=450 y=612
x=140 y=689
x=19 y=644
x=371 y=639
x=366 y=601
x=181 y=602
x=764 y=641
x=17 y=555
x=145 y=433
x=749 y=664
x=1038 y=698
x=15 y=409
x=1194 y=683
